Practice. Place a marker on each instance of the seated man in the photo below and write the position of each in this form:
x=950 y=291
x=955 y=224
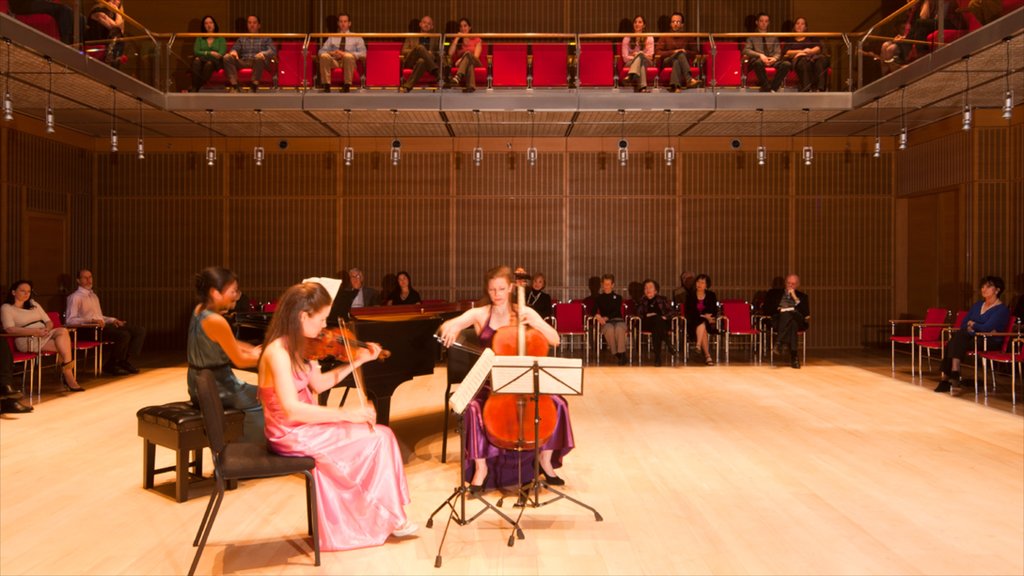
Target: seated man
x=608 y=315
x=249 y=52
x=674 y=53
x=358 y=294
x=764 y=51
x=420 y=54
x=62 y=14
x=84 y=310
x=338 y=52
x=789 y=309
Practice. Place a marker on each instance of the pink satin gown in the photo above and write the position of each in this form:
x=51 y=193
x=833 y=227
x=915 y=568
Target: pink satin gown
x=360 y=482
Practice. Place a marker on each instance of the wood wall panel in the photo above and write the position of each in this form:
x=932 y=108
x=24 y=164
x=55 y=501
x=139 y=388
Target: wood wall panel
x=165 y=175
x=417 y=175
x=933 y=165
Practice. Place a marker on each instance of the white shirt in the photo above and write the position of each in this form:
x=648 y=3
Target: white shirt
x=84 y=308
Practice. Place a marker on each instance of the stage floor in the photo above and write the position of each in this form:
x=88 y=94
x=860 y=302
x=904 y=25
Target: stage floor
x=837 y=468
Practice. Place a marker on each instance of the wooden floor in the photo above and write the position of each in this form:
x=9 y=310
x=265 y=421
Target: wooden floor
x=837 y=468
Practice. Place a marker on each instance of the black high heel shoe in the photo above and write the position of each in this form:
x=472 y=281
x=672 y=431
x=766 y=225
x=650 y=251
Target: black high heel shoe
x=64 y=381
x=552 y=480
x=478 y=489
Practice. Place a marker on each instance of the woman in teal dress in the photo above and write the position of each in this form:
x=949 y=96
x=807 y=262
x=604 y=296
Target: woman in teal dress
x=212 y=346
x=209 y=54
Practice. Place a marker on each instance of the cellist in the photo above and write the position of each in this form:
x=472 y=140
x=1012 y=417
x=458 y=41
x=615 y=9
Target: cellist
x=498 y=312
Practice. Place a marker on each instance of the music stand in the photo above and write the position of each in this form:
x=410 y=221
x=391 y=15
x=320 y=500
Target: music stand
x=467 y=390
x=535 y=375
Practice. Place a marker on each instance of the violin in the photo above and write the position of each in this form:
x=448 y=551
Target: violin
x=331 y=342
x=509 y=418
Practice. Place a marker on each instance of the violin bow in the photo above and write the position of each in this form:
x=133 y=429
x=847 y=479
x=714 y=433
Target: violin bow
x=357 y=373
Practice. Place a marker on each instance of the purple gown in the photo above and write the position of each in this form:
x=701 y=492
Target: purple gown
x=509 y=467
x=360 y=482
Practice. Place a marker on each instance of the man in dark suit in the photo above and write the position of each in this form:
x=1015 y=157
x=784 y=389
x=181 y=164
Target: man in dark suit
x=358 y=294
x=790 y=310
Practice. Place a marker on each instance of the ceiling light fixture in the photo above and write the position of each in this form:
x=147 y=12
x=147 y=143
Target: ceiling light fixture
x=348 y=154
x=903 y=118
x=396 y=144
x=478 y=152
x=670 y=152
x=8 y=103
x=967 y=95
x=878 y=140
x=808 y=149
x=50 y=122
x=113 y=119
x=1007 y=96
x=762 y=152
x=211 y=152
x=258 y=152
x=623 y=143
x=531 y=152
x=140 y=147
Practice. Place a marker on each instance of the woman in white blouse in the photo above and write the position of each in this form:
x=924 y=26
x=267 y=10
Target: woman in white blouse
x=24 y=317
x=638 y=55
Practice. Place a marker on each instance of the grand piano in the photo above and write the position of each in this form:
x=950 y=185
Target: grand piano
x=406 y=331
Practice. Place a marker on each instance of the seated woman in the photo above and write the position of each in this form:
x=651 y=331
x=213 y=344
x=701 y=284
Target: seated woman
x=537 y=298
x=464 y=54
x=701 y=309
x=360 y=482
x=655 y=313
x=404 y=293
x=987 y=315
x=808 y=58
x=212 y=346
x=638 y=55
x=487 y=465
x=107 y=24
x=208 y=54
x=24 y=317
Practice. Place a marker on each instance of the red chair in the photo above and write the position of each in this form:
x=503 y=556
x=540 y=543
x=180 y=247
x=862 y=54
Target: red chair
x=726 y=63
x=736 y=321
x=652 y=74
x=549 y=65
x=1006 y=335
x=383 y=64
x=42 y=22
x=569 y=321
x=28 y=362
x=270 y=307
x=508 y=65
x=936 y=341
x=665 y=72
x=83 y=345
x=596 y=65
x=269 y=76
x=1014 y=357
x=934 y=321
x=479 y=72
x=293 y=69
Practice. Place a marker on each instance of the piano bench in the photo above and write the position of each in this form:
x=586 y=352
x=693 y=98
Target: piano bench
x=179 y=426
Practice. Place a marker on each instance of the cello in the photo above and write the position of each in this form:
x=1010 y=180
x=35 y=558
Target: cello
x=519 y=421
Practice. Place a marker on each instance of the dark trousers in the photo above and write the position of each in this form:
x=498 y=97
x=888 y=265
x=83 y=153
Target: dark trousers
x=232 y=65
x=64 y=16
x=812 y=73
x=658 y=327
x=958 y=346
x=6 y=364
x=788 y=324
x=781 y=69
x=202 y=69
x=420 y=60
x=127 y=342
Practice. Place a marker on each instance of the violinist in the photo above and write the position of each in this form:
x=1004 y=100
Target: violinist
x=360 y=482
x=212 y=346
x=482 y=455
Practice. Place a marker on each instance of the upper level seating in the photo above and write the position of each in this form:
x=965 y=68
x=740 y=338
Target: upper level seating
x=42 y=22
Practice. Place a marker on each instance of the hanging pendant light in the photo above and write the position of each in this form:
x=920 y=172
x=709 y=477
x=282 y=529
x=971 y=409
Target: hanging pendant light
x=623 y=143
x=8 y=102
x=808 y=149
x=113 y=119
x=396 y=144
x=670 y=152
x=903 y=119
x=531 y=152
x=478 y=152
x=878 y=140
x=211 y=152
x=348 y=154
x=968 y=114
x=257 y=152
x=762 y=152
x=50 y=121
x=1007 y=96
x=140 y=147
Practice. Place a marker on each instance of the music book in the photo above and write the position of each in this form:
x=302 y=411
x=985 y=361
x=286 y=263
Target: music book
x=473 y=381
x=332 y=285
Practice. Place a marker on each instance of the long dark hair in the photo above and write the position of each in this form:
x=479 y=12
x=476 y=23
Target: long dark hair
x=202 y=24
x=212 y=278
x=29 y=304
x=308 y=297
x=638 y=40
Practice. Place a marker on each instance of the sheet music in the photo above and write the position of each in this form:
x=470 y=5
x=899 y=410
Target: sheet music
x=332 y=285
x=473 y=381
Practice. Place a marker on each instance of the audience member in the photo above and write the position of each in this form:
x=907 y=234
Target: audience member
x=488 y=465
x=9 y=397
x=654 y=312
x=341 y=52
x=420 y=54
x=208 y=54
x=637 y=54
x=593 y=289
x=686 y=282
x=107 y=24
x=537 y=298
x=25 y=318
x=62 y=14
x=358 y=293
x=808 y=58
x=675 y=53
x=608 y=315
x=789 y=309
x=212 y=346
x=464 y=54
x=701 y=310
x=922 y=20
x=84 y=310
x=404 y=293
x=986 y=315
x=762 y=52
x=360 y=483
x=249 y=52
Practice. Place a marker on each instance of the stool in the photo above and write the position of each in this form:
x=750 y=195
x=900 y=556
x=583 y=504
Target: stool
x=179 y=426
